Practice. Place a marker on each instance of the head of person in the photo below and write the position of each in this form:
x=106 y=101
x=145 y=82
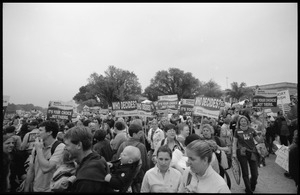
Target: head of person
x=67 y=158
x=78 y=139
x=120 y=126
x=207 y=131
x=164 y=158
x=93 y=126
x=199 y=153
x=243 y=122
x=154 y=124
x=227 y=120
x=170 y=131
x=10 y=130
x=86 y=122
x=8 y=143
x=255 y=117
x=191 y=138
x=135 y=131
x=33 y=125
x=100 y=135
x=97 y=120
x=130 y=155
x=48 y=129
x=184 y=129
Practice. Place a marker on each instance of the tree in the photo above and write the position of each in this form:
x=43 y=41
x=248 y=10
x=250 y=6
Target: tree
x=239 y=92
x=174 y=81
x=115 y=85
x=211 y=89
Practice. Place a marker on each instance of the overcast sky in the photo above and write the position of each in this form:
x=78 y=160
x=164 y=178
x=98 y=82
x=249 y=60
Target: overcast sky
x=51 y=49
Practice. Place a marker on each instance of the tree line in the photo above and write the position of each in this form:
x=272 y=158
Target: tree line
x=121 y=85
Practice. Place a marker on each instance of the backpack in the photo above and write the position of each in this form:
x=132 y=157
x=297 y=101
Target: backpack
x=54 y=145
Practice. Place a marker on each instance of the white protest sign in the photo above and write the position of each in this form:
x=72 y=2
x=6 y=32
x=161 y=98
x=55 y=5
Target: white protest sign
x=283 y=97
x=282 y=158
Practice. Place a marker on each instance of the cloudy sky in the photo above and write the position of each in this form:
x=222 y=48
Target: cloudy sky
x=51 y=49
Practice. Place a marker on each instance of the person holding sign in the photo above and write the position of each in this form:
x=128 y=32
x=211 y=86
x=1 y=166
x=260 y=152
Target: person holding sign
x=281 y=128
x=244 y=150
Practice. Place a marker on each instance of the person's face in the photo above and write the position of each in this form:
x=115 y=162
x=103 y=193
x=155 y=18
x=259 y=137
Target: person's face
x=163 y=161
x=154 y=125
x=243 y=122
x=206 y=132
x=8 y=145
x=196 y=164
x=171 y=133
x=186 y=131
x=73 y=149
x=125 y=157
x=43 y=134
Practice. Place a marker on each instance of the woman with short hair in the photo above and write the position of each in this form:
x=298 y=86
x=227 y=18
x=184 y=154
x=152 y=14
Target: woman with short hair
x=200 y=177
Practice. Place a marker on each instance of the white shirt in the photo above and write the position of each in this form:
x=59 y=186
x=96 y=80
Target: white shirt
x=210 y=182
x=154 y=181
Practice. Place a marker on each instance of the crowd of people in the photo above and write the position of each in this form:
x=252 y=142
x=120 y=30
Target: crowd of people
x=132 y=154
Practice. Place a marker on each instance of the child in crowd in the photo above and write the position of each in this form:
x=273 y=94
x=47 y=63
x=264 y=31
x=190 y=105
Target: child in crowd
x=123 y=169
x=64 y=176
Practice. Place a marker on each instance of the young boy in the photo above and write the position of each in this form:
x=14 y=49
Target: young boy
x=122 y=170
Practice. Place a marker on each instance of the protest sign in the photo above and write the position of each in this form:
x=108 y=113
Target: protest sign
x=283 y=100
x=167 y=104
x=60 y=110
x=186 y=107
x=265 y=98
x=145 y=109
x=125 y=108
x=206 y=106
x=282 y=158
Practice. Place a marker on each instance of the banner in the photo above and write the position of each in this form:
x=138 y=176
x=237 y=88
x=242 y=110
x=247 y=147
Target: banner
x=145 y=109
x=206 y=106
x=125 y=108
x=265 y=98
x=186 y=107
x=60 y=110
x=5 y=103
x=167 y=104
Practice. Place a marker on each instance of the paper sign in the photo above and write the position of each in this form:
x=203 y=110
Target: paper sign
x=282 y=158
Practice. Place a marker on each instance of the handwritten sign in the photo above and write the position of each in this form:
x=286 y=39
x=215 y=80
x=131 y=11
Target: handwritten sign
x=283 y=97
x=282 y=158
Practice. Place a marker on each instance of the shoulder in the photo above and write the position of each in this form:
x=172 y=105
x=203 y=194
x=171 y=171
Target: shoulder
x=175 y=172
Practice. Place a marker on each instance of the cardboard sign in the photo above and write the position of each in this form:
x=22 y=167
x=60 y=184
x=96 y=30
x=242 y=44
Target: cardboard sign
x=283 y=97
x=60 y=110
x=282 y=158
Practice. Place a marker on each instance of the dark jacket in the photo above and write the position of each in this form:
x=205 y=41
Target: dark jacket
x=103 y=149
x=90 y=174
x=122 y=175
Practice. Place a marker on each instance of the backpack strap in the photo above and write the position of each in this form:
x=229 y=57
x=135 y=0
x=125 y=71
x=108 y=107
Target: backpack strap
x=189 y=178
x=55 y=144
